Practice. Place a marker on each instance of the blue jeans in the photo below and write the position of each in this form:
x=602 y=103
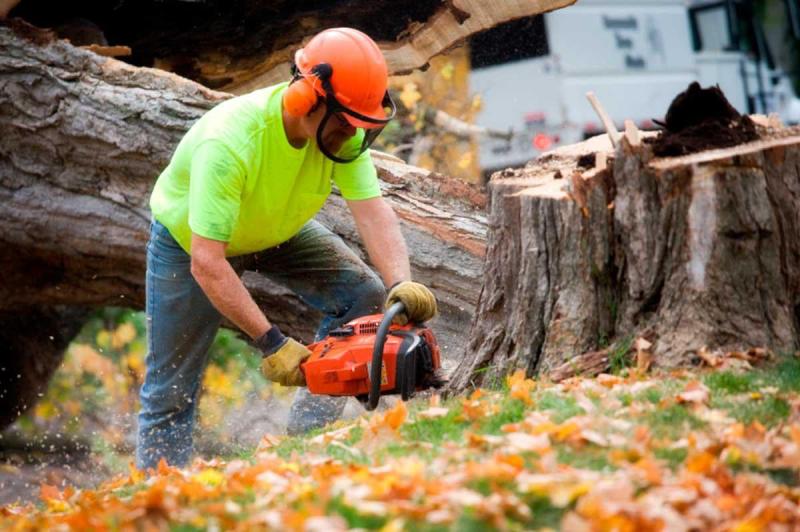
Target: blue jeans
x=182 y=323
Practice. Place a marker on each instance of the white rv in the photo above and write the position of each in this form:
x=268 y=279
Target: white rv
x=636 y=57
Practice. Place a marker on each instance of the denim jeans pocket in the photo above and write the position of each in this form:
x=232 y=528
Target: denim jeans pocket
x=166 y=260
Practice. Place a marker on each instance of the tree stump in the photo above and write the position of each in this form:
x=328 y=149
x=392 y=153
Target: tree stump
x=688 y=252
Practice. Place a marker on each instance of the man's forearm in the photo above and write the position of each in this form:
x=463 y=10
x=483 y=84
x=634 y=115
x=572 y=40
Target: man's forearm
x=385 y=246
x=229 y=296
x=391 y=259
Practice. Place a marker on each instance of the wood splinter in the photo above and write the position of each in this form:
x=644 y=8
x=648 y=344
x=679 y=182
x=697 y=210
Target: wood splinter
x=611 y=129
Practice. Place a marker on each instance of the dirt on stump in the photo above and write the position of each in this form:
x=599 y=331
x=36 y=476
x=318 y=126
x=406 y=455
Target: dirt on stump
x=587 y=160
x=700 y=119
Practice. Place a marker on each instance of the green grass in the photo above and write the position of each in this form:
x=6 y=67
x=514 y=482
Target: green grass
x=424 y=438
x=346 y=455
x=786 y=374
x=587 y=457
x=626 y=399
x=184 y=527
x=354 y=518
x=436 y=430
x=484 y=486
x=356 y=433
x=768 y=411
x=563 y=407
x=671 y=421
x=784 y=475
x=673 y=457
x=545 y=515
x=651 y=395
x=511 y=411
x=289 y=446
x=727 y=382
x=619 y=357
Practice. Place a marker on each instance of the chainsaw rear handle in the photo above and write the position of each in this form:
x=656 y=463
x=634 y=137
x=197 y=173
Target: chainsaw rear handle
x=376 y=370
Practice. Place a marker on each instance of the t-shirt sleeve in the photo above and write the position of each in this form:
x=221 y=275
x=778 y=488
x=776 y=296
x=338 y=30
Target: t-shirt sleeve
x=357 y=180
x=216 y=181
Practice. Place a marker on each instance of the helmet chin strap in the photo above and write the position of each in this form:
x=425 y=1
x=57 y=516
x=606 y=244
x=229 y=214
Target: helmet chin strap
x=327 y=152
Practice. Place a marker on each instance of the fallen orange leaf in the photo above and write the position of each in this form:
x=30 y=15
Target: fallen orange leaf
x=695 y=392
x=794 y=430
x=396 y=416
x=701 y=462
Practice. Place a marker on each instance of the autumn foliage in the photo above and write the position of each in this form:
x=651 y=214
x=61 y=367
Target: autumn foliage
x=679 y=451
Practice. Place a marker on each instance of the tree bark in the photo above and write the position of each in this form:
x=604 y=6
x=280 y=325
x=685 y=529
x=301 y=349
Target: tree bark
x=690 y=252
x=82 y=140
x=240 y=45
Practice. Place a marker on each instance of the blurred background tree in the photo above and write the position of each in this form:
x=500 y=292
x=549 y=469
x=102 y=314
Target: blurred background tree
x=417 y=136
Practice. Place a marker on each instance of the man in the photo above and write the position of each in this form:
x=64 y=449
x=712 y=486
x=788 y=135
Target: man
x=240 y=193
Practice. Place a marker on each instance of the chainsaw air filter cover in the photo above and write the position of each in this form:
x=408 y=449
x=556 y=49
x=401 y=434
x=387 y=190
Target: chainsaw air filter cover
x=340 y=363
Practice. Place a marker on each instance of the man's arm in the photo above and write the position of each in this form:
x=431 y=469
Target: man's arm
x=223 y=287
x=379 y=229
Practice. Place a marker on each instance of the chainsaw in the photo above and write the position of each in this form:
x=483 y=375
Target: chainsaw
x=369 y=357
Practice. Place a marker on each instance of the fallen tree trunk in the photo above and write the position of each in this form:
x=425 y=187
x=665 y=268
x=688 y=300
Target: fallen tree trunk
x=692 y=252
x=82 y=140
x=240 y=45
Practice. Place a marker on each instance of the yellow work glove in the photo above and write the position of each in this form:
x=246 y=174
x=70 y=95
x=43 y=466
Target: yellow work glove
x=420 y=302
x=282 y=358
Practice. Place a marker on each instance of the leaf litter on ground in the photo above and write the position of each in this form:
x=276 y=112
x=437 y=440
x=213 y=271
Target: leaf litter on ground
x=682 y=450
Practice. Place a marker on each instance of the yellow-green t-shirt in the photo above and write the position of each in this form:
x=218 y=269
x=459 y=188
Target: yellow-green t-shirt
x=234 y=177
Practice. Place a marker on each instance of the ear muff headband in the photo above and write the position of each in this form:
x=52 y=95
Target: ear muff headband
x=300 y=97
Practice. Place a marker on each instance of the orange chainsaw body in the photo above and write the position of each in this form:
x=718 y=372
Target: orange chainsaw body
x=340 y=363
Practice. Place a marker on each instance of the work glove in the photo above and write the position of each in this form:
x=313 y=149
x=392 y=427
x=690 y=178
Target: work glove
x=282 y=358
x=420 y=302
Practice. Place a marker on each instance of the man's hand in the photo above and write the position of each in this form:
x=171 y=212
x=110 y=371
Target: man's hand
x=420 y=302
x=282 y=358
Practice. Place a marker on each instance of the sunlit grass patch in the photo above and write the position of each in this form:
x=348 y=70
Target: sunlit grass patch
x=672 y=421
x=768 y=410
x=291 y=446
x=785 y=374
x=562 y=407
x=511 y=411
x=585 y=457
x=651 y=395
x=728 y=382
x=354 y=517
x=674 y=456
x=545 y=515
x=449 y=427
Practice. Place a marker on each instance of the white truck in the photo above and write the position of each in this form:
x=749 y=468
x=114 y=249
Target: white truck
x=636 y=57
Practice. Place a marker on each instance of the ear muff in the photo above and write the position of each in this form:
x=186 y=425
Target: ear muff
x=299 y=97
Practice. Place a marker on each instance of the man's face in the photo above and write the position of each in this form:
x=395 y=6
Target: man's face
x=337 y=130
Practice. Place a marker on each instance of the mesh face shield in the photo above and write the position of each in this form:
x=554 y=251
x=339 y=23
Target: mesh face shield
x=336 y=111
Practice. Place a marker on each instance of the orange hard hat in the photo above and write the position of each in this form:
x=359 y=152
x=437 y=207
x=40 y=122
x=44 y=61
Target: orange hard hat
x=359 y=76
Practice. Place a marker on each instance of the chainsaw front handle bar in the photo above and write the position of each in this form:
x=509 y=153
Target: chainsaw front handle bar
x=376 y=370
